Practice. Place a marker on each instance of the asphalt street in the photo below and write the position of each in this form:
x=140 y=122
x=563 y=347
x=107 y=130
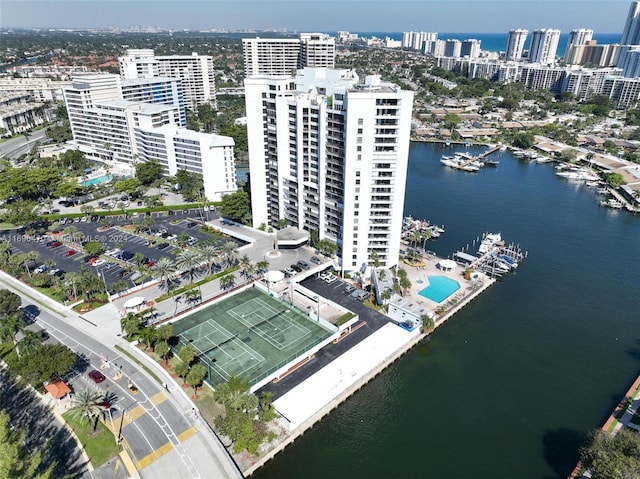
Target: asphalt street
x=155 y=421
x=18 y=146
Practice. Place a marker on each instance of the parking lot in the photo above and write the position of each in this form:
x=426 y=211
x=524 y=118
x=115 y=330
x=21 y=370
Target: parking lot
x=59 y=253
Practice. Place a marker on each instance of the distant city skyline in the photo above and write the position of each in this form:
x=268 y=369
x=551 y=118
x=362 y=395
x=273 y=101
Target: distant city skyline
x=452 y=16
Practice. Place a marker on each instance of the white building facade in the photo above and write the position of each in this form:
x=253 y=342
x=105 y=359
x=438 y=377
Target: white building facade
x=117 y=121
x=515 y=44
x=284 y=56
x=329 y=153
x=194 y=71
x=544 y=46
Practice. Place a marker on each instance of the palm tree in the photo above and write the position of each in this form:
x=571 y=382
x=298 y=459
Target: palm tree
x=262 y=266
x=10 y=324
x=192 y=295
x=208 y=253
x=428 y=324
x=164 y=271
x=149 y=336
x=86 y=403
x=165 y=332
x=245 y=260
x=229 y=253
x=163 y=350
x=181 y=368
x=130 y=323
x=28 y=344
x=195 y=376
x=386 y=296
x=249 y=271
x=187 y=260
x=227 y=281
x=416 y=237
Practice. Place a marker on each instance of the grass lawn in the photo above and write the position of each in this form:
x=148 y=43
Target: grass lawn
x=207 y=406
x=99 y=446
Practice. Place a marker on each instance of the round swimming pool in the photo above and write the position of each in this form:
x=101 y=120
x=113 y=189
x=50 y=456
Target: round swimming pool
x=440 y=288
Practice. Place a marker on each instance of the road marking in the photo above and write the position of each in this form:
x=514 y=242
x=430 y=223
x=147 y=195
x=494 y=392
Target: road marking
x=128 y=463
x=158 y=398
x=149 y=458
x=187 y=434
x=133 y=414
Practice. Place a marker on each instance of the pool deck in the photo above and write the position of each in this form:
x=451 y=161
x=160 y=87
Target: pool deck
x=453 y=303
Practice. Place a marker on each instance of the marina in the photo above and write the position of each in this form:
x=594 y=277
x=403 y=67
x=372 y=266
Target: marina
x=533 y=343
x=470 y=163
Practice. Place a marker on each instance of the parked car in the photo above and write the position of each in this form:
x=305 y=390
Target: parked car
x=349 y=288
x=296 y=268
x=44 y=335
x=40 y=269
x=56 y=244
x=315 y=259
x=303 y=264
x=97 y=376
x=71 y=252
x=98 y=262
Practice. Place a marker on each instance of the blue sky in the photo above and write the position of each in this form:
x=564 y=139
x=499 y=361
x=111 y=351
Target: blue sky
x=604 y=16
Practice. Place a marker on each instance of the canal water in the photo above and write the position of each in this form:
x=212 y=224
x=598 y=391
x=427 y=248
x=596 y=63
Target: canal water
x=511 y=385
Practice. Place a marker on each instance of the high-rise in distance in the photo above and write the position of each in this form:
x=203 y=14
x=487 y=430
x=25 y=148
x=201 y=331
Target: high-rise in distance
x=544 y=46
x=515 y=44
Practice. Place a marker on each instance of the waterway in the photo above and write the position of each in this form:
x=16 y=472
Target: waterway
x=511 y=385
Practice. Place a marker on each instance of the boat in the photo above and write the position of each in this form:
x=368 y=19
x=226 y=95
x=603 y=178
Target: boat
x=513 y=264
x=490 y=162
x=603 y=190
x=592 y=184
x=580 y=174
x=612 y=203
x=543 y=159
x=489 y=241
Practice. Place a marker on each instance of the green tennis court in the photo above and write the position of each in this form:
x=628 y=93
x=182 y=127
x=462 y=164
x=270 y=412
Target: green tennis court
x=250 y=334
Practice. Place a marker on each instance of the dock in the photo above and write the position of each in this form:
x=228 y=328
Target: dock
x=467 y=162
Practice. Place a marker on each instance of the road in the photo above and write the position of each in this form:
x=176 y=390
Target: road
x=15 y=147
x=155 y=422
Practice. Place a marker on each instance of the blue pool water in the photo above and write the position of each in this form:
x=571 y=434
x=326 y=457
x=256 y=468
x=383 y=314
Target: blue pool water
x=97 y=180
x=440 y=288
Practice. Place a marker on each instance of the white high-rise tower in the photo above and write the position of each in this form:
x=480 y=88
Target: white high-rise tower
x=544 y=46
x=515 y=44
x=329 y=153
x=580 y=36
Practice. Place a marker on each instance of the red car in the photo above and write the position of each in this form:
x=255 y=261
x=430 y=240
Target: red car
x=97 y=376
x=93 y=260
x=71 y=252
x=56 y=244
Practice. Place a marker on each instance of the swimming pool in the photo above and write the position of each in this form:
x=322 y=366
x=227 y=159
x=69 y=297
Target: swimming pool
x=97 y=180
x=440 y=288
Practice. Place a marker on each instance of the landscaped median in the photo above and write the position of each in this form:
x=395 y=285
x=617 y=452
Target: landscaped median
x=99 y=445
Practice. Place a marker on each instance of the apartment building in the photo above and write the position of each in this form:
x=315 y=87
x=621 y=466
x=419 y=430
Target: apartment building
x=544 y=46
x=515 y=44
x=126 y=121
x=194 y=71
x=284 y=56
x=329 y=153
